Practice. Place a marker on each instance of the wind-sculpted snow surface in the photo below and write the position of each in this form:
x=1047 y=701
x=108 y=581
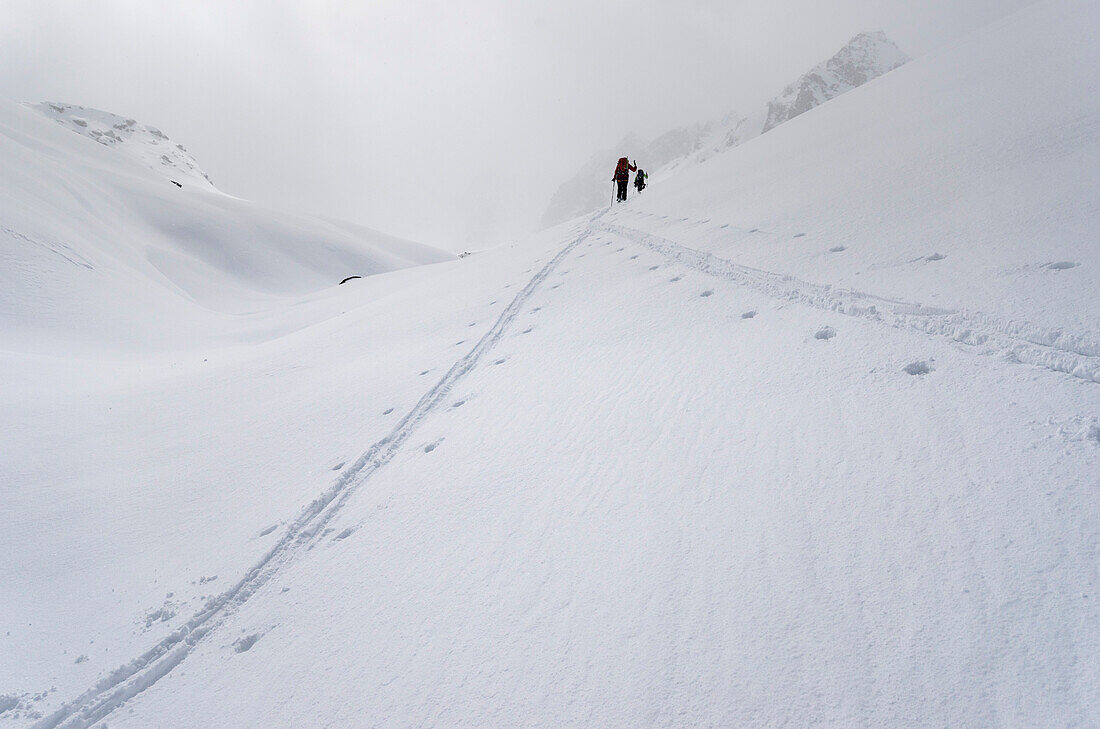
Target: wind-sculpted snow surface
x=723 y=456
x=651 y=511
x=1074 y=353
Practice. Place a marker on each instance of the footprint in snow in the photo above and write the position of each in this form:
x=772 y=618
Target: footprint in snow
x=935 y=257
x=526 y=331
x=458 y=403
x=555 y=286
x=706 y=293
x=243 y=644
x=748 y=315
x=387 y=411
x=423 y=373
x=472 y=324
x=653 y=268
x=432 y=446
x=825 y=333
x=837 y=249
x=1062 y=265
x=460 y=341
x=337 y=467
x=674 y=279
x=799 y=235
x=501 y=361
x=633 y=257
x=919 y=367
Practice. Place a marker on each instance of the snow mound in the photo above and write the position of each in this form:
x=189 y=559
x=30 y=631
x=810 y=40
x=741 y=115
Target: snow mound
x=146 y=144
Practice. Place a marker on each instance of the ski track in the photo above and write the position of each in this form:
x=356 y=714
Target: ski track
x=129 y=680
x=1056 y=349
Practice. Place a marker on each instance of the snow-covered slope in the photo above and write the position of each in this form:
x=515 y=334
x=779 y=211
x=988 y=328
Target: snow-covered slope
x=727 y=455
x=590 y=188
x=864 y=58
x=99 y=248
x=966 y=184
x=143 y=143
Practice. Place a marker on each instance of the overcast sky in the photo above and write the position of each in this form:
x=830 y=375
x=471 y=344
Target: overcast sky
x=448 y=122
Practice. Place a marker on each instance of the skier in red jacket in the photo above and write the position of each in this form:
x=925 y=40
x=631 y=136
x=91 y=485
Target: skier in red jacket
x=622 y=176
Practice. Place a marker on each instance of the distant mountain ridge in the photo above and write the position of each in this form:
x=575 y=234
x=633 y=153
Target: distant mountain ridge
x=866 y=57
x=141 y=142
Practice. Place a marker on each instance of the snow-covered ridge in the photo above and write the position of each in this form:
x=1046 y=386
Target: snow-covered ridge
x=146 y=144
x=864 y=58
x=793 y=436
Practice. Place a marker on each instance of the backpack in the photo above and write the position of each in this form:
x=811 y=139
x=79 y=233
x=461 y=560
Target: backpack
x=622 y=169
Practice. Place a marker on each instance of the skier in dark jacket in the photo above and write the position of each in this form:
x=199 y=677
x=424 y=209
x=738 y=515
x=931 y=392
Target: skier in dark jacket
x=639 y=179
x=622 y=176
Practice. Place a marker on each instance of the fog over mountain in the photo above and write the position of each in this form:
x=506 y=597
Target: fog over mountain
x=141 y=142
x=451 y=124
x=807 y=433
x=864 y=58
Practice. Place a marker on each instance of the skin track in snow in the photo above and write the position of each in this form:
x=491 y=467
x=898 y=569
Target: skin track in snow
x=1054 y=349
x=133 y=678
